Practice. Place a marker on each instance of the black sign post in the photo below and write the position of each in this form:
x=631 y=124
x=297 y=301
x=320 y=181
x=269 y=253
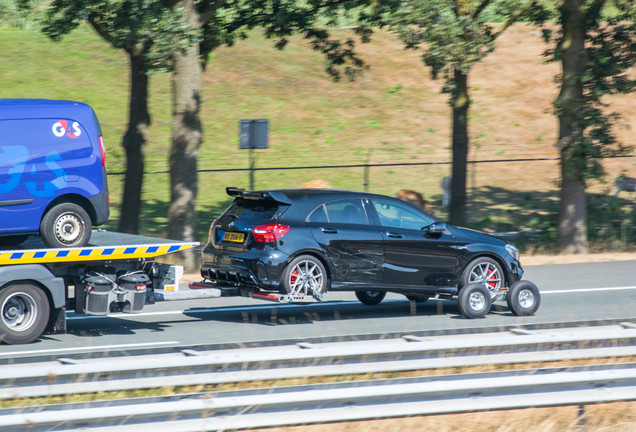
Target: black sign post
x=253 y=134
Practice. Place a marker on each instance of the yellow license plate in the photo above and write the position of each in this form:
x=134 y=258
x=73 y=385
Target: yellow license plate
x=234 y=237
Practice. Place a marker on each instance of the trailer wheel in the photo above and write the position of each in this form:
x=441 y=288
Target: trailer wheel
x=24 y=312
x=474 y=300
x=66 y=225
x=370 y=297
x=523 y=298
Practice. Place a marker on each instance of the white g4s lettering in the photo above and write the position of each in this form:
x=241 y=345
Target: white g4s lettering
x=58 y=129
x=76 y=129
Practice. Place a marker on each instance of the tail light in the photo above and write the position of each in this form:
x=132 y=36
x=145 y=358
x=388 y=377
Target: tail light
x=102 y=150
x=211 y=233
x=269 y=233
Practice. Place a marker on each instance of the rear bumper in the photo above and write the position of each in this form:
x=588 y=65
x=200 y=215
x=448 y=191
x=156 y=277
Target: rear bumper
x=261 y=268
x=100 y=204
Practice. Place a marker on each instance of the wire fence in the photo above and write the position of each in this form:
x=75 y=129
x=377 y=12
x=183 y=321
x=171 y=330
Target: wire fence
x=508 y=194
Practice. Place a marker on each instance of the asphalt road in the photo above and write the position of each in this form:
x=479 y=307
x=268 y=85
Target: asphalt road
x=570 y=293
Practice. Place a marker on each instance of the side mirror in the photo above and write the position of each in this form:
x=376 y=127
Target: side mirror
x=437 y=228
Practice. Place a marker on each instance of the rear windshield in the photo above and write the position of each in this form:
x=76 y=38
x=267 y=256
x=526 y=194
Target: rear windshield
x=248 y=210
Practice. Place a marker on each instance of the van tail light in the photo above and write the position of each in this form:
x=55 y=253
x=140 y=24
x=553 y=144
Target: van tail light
x=102 y=150
x=269 y=233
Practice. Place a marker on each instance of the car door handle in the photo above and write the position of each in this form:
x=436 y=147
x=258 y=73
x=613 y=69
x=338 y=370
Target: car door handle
x=329 y=230
x=394 y=235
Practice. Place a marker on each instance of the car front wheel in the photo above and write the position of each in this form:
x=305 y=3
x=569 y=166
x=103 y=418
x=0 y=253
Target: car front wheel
x=420 y=298
x=370 y=297
x=485 y=271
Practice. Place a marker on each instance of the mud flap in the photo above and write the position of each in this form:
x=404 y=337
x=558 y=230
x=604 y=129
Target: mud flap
x=57 y=321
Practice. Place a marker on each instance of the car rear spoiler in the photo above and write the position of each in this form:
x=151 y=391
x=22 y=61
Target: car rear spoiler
x=277 y=196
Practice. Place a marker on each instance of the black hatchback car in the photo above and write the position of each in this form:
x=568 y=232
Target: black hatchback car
x=310 y=241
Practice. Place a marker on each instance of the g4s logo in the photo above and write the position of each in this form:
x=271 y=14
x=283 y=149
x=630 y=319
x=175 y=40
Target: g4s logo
x=61 y=127
x=15 y=167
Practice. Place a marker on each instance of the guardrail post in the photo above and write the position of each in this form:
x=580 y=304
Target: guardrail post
x=581 y=421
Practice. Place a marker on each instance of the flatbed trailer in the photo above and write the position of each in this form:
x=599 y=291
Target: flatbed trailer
x=115 y=272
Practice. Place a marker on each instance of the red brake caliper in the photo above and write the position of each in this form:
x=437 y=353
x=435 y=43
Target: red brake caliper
x=491 y=276
x=294 y=276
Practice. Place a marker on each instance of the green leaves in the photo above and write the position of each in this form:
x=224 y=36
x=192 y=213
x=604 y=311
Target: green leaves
x=146 y=26
x=609 y=51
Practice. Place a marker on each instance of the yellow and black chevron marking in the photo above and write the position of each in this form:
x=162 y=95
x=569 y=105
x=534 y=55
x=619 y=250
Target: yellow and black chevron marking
x=101 y=253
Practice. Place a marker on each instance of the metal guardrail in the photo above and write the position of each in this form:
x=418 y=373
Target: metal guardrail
x=336 y=402
x=193 y=367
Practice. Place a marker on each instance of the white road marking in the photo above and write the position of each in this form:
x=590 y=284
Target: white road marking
x=588 y=290
x=91 y=348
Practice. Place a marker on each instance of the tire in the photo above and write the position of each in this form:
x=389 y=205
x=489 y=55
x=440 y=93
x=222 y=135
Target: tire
x=474 y=301
x=483 y=270
x=66 y=225
x=370 y=297
x=420 y=298
x=13 y=240
x=305 y=275
x=24 y=313
x=523 y=298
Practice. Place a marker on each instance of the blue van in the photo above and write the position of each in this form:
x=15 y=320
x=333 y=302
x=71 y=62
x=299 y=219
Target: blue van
x=52 y=172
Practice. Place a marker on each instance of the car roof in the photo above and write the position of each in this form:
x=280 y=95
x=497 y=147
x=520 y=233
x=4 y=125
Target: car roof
x=313 y=195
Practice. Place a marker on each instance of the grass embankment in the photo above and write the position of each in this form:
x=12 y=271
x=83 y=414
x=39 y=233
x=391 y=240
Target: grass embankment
x=393 y=113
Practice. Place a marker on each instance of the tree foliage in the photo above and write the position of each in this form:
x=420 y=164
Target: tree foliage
x=149 y=32
x=453 y=35
x=125 y=24
x=223 y=22
x=610 y=50
x=595 y=43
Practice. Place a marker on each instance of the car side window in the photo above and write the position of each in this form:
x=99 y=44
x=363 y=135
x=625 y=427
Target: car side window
x=319 y=215
x=348 y=211
x=394 y=215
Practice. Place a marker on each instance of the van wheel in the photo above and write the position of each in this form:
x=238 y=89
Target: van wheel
x=24 y=310
x=66 y=225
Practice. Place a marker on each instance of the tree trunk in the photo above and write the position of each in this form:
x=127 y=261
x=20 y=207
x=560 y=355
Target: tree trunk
x=460 y=103
x=134 y=142
x=572 y=229
x=186 y=140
